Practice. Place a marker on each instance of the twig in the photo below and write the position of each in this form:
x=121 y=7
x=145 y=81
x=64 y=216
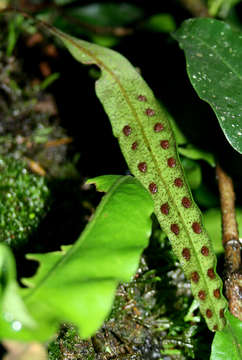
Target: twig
x=101 y=30
x=58 y=142
x=195 y=7
x=118 y=31
x=230 y=242
x=230 y=230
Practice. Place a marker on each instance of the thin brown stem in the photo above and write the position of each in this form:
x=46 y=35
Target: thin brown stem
x=195 y=7
x=231 y=243
x=230 y=230
x=100 y=30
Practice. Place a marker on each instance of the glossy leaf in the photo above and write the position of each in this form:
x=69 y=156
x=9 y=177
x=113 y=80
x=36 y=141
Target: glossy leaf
x=148 y=144
x=213 y=52
x=77 y=284
x=227 y=344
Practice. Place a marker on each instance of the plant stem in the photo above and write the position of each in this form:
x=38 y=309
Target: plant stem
x=230 y=230
x=195 y=7
x=231 y=243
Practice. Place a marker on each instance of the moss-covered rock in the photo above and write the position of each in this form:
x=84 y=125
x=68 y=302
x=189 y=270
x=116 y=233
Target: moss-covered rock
x=24 y=201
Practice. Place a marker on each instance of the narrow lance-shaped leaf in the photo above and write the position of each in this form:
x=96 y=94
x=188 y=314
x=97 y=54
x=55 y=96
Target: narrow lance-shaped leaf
x=148 y=144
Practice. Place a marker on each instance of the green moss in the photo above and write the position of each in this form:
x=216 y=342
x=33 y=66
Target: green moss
x=68 y=345
x=23 y=202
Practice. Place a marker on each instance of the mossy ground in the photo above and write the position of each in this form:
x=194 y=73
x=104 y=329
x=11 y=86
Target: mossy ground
x=24 y=200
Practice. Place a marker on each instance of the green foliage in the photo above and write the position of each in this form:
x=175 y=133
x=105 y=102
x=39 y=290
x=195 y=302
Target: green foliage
x=186 y=149
x=13 y=310
x=228 y=342
x=206 y=197
x=101 y=22
x=194 y=153
x=77 y=284
x=69 y=342
x=221 y=7
x=13 y=32
x=23 y=202
x=213 y=52
x=49 y=80
x=193 y=172
x=107 y=14
x=161 y=23
x=179 y=136
x=64 y=2
x=141 y=126
x=213 y=223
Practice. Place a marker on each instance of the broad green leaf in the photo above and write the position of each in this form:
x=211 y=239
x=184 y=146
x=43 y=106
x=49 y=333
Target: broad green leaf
x=77 y=284
x=227 y=344
x=213 y=52
x=13 y=313
x=148 y=144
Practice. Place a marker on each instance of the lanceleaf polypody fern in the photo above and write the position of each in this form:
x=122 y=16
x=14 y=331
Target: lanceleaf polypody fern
x=147 y=142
